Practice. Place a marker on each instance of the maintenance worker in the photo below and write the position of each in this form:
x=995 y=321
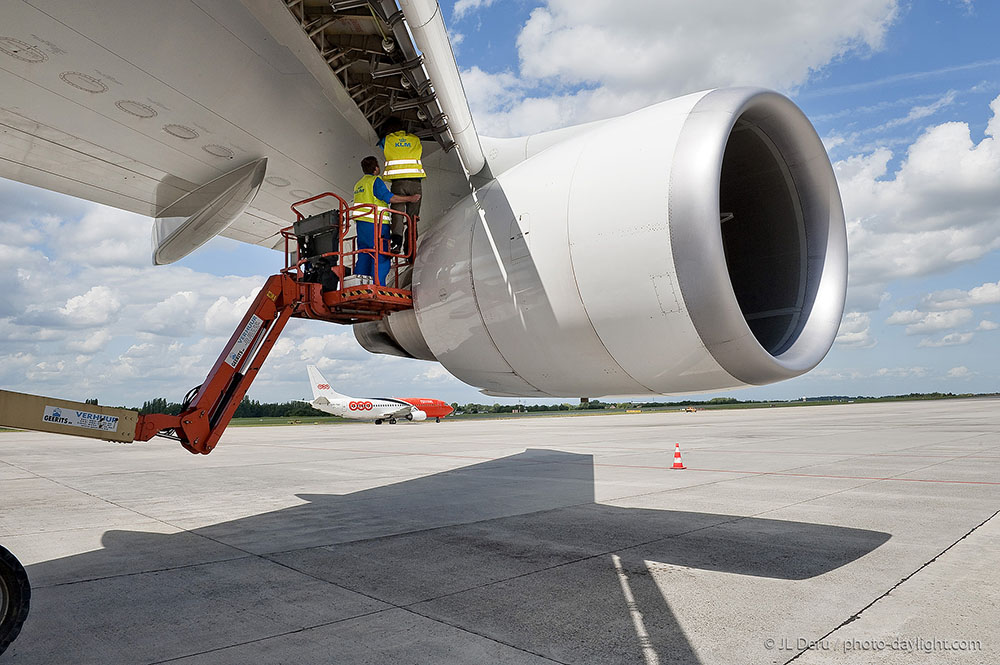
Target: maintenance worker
x=371 y=190
x=405 y=171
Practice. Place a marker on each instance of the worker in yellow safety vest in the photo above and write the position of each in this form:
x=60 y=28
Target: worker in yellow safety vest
x=405 y=172
x=370 y=190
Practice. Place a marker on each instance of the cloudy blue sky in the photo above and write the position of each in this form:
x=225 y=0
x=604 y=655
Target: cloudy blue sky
x=906 y=96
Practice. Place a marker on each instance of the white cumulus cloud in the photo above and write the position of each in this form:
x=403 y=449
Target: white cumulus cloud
x=986 y=294
x=905 y=317
x=106 y=237
x=855 y=331
x=167 y=316
x=225 y=313
x=316 y=349
x=925 y=323
x=436 y=373
x=583 y=60
x=464 y=7
x=940 y=209
x=95 y=307
x=901 y=372
x=951 y=339
x=91 y=343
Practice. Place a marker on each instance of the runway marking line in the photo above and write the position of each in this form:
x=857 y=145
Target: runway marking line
x=811 y=475
x=667 y=468
x=845 y=454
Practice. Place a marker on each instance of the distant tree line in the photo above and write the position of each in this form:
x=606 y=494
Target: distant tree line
x=160 y=405
x=591 y=405
x=250 y=408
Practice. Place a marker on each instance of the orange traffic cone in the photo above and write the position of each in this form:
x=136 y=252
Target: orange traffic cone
x=678 y=464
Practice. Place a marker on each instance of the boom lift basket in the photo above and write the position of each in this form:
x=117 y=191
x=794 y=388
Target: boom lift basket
x=328 y=259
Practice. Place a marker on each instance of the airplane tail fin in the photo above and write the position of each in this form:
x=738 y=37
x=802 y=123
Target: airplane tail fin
x=320 y=386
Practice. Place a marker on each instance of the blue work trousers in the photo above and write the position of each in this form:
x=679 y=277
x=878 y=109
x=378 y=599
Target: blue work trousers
x=366 y=240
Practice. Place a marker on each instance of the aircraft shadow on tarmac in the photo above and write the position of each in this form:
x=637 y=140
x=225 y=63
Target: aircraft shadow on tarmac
x=513 y=549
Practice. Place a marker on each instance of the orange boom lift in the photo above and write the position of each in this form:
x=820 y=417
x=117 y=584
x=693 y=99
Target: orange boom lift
x=317 y=282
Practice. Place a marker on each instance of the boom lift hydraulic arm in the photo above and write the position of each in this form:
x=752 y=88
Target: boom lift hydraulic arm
x=298 y=290
x=203 y=420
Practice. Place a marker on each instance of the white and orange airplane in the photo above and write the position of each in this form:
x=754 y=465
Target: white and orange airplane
x=378 y=409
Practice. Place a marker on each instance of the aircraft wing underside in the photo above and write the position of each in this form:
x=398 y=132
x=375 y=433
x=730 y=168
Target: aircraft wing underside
x=134 y=104
x=400 y=413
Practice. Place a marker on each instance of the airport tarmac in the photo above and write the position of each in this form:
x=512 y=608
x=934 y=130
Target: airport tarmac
x=863 y=533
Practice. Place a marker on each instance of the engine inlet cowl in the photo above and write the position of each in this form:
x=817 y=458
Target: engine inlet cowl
x=694 y=245
x=781 y=234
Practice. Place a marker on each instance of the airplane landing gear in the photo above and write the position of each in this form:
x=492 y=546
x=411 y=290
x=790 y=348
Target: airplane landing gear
x=392 y=421
x=15 y=594
x=378 y=422
x=438 y=419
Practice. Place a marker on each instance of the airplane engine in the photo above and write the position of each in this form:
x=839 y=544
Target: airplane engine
x=417 y=415
x=694 y=245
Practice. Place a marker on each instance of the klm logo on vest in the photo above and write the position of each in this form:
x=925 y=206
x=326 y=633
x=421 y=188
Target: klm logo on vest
x=403 y=143
x=360 y=189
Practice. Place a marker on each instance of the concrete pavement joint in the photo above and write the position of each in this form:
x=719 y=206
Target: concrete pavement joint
x=897 y=477
x=764 y=512
x=268 y=637
x=109 y=501
x=675 y=535
x=20 y=468
x=857 y=615
x=482 y=635
x=409 y=606
x=818 y=475
x=391 y=605
x=831 y=454
x=736 y=518
x=140 y=572
x=599 y=555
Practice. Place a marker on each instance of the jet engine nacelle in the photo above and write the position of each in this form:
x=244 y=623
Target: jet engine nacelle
x=694 y=245
x=417 y=415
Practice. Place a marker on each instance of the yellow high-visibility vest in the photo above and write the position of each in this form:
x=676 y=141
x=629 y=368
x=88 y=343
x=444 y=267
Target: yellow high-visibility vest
x=402 y=156
x=364 y=193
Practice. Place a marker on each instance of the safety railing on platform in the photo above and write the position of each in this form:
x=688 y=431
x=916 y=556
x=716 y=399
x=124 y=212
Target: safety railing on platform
x=348 y=252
